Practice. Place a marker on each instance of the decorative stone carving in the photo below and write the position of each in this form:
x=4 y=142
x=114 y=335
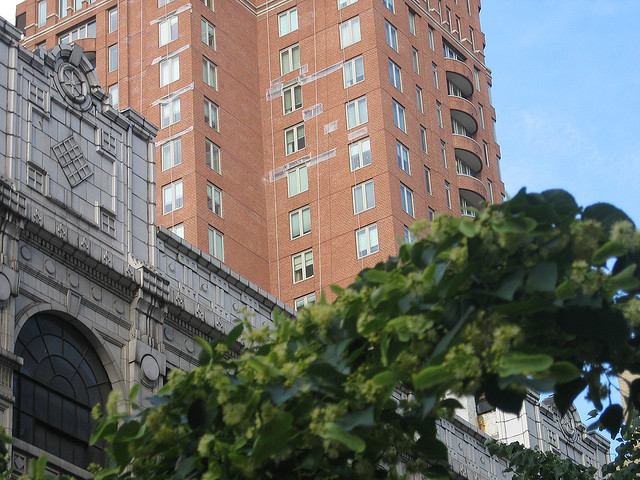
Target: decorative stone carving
x=73 y=162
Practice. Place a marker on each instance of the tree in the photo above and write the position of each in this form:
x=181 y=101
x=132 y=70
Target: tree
x=519 y=297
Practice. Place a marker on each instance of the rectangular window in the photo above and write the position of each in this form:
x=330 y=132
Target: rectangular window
x=357 y=112
x=344 y=3
x=448 y=20
x=450 y=52
x=294 y=138
x=212 y=154
x=62 y=8
x=162 y=3
x=398 y=116
x=395 y=75
x=443 y=153
x=172 y=197
x=360 y=153
x=489 y=93
x=481 y=114
x=178 y=229
x=209 y=73
x=434 y=68
x=350 y=32
x=114 y=96
x=407 y=199
x=288 y=21
x=432 y=43
x=458 y=30
x=439 y=114
x=302 y=266
x=498 y=167
x=485 y=149
x=171 y=154
x=490 y=190
x=353 y=71
x=300 y=222
x=416 y=62
x=86 y=30
x=216 y=244
x=403 y=157
x=42 y=13
x=412 y=21
x=36 y=177
x=208 y=4
x=367 y=240
x=113 y=20
x=77 y=4
x=472 y=38
x=423 y=139
x=447 y=191
x=214 y=199
x=432 y=214
x=304 y=300
x=297 y=180
x=392 y=35
x=427 y=180
x=289 y=59
x=211 y=114
x=469 y=7
x=113 y=57
x=168 y=31
x=419 y=99
x=169 y=70
x=291 y=98
x=108 y=222
x=363 y=197
x=389 y=4
x=208 y=31
x=495 y=135
x=458 y=129
x=476 y=76
x=170 y=112
x=409 y=237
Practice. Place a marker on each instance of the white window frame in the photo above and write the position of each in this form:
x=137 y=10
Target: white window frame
x=399 y=118
x=406 y=195
x=113 y=57
x=309 y=298
x=485 y=148
x=172 y=197
x=415 y=60
x=419 y=101
x=113 y=19
x=412 y=22
x=409 y=237
x=439 y=114
x=178 y=229
x=351 y=71
x=481 y=114
x=294 y=139
x=305 y=260
x=289 y=59
x=395 y=75
x=62 y=8
x=447 y=191
x=490 y=190
x=214 y=199
x=216 y=243
x=391 y=33
x=350 y=32
x=86 y=30
x=432 y=43
x=170 y=111
x=427 y=180
x=423 y=140
x=167 y=31
x=363 y=197
x=300 y=222
x=291 y=98
x=357 y=113
x=403 y=157
x=114 y=96
x=367 y=240
x=431 y=214
x=208 y=32
x=169 y=70
x=209 y=73
x=297 y=180
x=360 y=154
x=443 y=153
x=476 y=77
x=390 y=4
x=434 y=68
x=211 y=112
x=288 y=21
x=209 y=4
x=171 y=153
x=42 y=13
x=212 y=155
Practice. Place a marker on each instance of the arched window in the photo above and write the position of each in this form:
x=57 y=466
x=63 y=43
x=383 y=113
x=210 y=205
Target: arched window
x=61 y=380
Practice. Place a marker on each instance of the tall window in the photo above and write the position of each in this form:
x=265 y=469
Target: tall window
x=367 y=240
x=431 y=214
x=289 y=59
x=416 y=61
x=302 y=266
x=481 y=114
x=113 y=57
x=42 y=13
x=476 y=77
x=439 y=114
x=447 y=191
x=412 y=21
x=171 y=153
x=490 y=190
x=485 y=149
x=113 y=20
x=211 y=114
x=60 y=381
x=427 y=179
x=208 y=4
x=291 y=98
x=172 y=197
x=432 y=43
x=389 y=4
x=212 y=154
x=363 y=197
x=300 y=222
x=398 y=116
x=169 y=70
x=357 y=112
x=395 y=75
x=423 y=139
x=288 y=21
x=294 y=138
x=353 y=71
x=208 y=31
x=403 y=157
x=419 y=99
x=178 y=229
x=443 y=153
x=214 y=199
x=407 y=199
x=297 y=180
x=350 y=32
x=434 y=68
x=114 y=94
x=62 y=8
x=360 y=153
x=392 y=35
x=209 y=73
x=168 y=30
x=170 y=112
x=216 y=244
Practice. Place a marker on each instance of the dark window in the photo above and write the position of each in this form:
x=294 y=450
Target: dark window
x=62 y=378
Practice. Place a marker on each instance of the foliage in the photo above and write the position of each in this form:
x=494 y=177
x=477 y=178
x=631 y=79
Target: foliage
x=5 y=472
x=519 y=297
x=626 y=466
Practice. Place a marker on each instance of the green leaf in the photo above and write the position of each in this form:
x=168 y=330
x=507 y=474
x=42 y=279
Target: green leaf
x=565 y=393
x=611 y=419
x=563 y=372
x=467 y=228
x=363 y=419
x=519 y=363
x=133 y=393
x=376 y=276
x=608 y=250
x=562 y=201
x=432 y=448
x=196 y=414
x=352 y=442
x=233 y=335
x=105 y=427
x=510 y=285
x=386 y=378
x=516 y=225
x=606 y=214
x=430 y=376
x=543 y=277
x=272 y=437
x=625 y=279
x=206 y=353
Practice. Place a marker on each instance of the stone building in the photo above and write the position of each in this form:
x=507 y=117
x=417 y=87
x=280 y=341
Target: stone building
x=95 y=297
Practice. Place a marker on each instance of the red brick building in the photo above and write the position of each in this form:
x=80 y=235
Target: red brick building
x=298 y=139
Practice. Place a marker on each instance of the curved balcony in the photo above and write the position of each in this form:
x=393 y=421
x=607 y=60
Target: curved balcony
x=472 y=190
x=467 y=163
x=464 y=112
x=460 y=75
x=462 y=142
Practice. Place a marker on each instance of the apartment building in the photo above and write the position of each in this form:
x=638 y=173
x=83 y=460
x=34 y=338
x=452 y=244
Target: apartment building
x=298 y=140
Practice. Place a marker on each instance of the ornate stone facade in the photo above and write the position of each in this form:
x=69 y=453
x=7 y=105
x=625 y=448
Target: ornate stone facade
x=94 y=297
